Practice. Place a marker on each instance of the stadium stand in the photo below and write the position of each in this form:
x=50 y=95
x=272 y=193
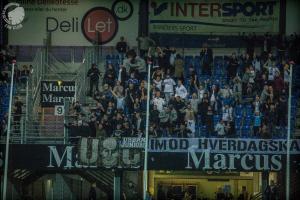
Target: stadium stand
x=241 y=95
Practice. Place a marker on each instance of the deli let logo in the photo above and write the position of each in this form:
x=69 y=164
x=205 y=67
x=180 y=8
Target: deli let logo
x=99 y=25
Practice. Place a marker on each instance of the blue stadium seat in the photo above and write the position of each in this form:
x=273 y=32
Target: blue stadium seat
x=239 y=110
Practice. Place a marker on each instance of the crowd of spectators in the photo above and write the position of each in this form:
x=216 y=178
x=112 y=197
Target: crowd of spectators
x=240 y=93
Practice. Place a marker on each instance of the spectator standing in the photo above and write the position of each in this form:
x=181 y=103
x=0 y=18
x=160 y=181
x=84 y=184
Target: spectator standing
x=206 y=56
x=232 y=66
x=122 y=47
x=158 y=101
x=109 y=76
x=257 y=121
x=220 y=128
x=144 y=43
x=17 y=113
x=181 y=90
x=178 y=66
x=168 y=84
x=94 y=75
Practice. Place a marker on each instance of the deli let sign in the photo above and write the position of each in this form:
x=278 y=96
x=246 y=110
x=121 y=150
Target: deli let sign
x=55 y=92
x=77 y=22
x=221 y=154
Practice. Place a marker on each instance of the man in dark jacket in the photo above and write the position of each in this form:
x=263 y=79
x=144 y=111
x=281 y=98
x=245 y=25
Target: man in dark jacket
x=94 y=74
x=206 y=55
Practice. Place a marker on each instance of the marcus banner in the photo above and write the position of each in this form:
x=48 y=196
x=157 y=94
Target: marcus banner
x=221 y=154
x=54 y=92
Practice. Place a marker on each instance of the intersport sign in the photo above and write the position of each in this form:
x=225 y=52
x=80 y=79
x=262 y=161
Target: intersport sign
x=210 y=16
x=77 y=22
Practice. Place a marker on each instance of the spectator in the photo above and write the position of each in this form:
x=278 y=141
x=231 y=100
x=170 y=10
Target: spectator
x=227 y=114
x=190 y=120
x=257 y=123
x=109 y=76
x=220 y=128
x=209 y=120
x=237 y=89
x=278 y=85
x=244 y=194
x=164 y=117
x=194 y=101
x=183 y=131
x=232 y=66
x=144 y=43
x=206 y=55
x=122 y=47
x=181 y=90
x=134 y=64
x=179 y=67
x=158 y=83
x=168 y=84
x=94 y=74
x=17 y=113
x=122 y=75
x=256 y=63
x=24 y=73
x=158 y=101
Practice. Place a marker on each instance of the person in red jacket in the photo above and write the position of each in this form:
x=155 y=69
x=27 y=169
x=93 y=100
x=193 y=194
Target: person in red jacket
x=278 y=84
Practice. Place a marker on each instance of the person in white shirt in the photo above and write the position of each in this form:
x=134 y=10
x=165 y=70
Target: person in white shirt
x=201 y=91
x=256 y=63
x=220 y=128
x=158 y=82
x=190 y=119
x=194 y=102
x=168 y=84
x=181 y=90
x=225 y=92
x=272 y=72
x=158 y=101
x=120 y=99
x=226 y=113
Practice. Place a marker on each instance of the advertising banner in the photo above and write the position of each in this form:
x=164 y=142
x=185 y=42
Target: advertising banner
x=221 y=154
x=73 y=22
x=53 y=93
x=201 y=154
x=91 y=153
x=211 y=16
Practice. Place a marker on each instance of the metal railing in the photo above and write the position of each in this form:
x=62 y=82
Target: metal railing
x=34 y=125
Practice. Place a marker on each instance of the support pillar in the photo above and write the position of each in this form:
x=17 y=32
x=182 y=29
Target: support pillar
x=117 y=185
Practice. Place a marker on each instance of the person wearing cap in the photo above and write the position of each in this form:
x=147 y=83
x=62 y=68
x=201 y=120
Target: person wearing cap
x=94 y=75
